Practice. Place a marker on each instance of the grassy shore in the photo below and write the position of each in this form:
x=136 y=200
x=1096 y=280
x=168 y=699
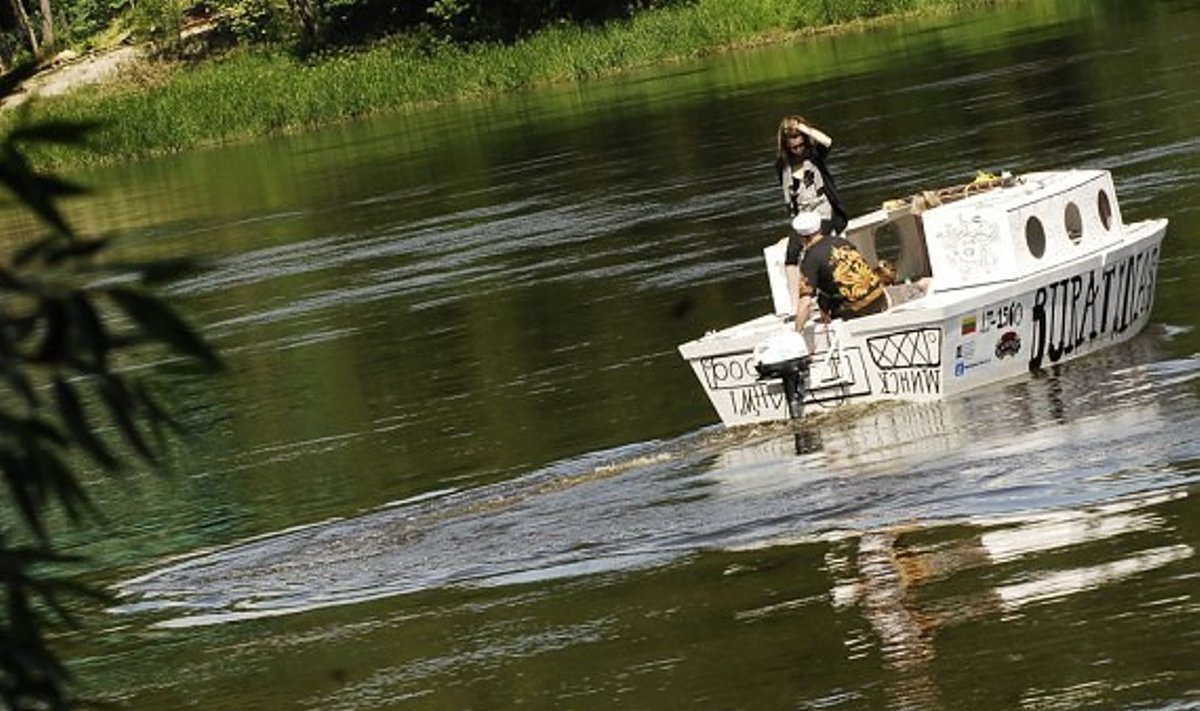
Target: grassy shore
x=253 y=92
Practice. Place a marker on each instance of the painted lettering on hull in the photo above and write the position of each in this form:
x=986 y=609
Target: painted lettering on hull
x=921 y=381
x=729 y=371
x=1071 y=313
x=1001 y=316
x=756 y=400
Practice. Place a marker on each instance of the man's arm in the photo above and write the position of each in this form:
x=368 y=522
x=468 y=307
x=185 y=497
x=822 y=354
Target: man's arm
x=803 y=311
x=792 y=272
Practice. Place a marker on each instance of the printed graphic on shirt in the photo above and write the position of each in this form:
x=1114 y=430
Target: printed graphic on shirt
x=855 y=278
x=806 y=287
x=807 y=189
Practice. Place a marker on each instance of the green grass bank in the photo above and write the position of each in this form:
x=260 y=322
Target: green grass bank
x=258 y=91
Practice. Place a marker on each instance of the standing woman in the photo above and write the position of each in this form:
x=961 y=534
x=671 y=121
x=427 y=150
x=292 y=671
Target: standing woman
x=807 y=184
x=807 y=188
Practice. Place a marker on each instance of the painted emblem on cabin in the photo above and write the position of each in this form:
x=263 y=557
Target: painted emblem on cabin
x=969 y=243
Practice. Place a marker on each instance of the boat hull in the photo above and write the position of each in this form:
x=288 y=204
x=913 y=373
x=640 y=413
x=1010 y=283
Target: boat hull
x=945 y=343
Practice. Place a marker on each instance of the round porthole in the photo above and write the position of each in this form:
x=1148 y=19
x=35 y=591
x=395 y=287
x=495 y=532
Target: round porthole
x=1035 y=237
x=1073 y=221
x=1104 y=207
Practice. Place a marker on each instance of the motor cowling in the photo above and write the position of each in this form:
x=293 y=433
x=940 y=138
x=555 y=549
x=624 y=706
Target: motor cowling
x=785 y=356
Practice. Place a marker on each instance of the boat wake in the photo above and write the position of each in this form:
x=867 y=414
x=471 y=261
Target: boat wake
x=1102 y=430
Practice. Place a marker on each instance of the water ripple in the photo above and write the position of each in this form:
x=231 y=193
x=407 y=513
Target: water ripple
x=1027 y=455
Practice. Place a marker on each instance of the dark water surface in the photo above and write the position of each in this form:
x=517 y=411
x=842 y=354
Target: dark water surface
x=458 y=463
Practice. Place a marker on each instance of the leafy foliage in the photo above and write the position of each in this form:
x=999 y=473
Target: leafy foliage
x=253 y=20
x=160 y=20
x=315 y=23
x=68 y=319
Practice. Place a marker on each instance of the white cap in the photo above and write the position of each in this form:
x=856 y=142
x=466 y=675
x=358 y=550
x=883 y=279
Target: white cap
x=807 y=223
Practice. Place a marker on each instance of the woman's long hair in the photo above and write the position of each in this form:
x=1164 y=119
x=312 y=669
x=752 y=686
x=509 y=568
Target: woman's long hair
x=783 y=155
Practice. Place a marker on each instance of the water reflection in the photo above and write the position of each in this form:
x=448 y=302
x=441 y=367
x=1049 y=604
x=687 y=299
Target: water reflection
x=887 y=575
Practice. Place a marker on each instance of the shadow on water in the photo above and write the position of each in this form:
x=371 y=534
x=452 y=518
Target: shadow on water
x=1040 y=462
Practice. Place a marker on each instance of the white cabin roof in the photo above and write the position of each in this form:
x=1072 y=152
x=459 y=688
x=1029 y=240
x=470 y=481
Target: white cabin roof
x=985 y=233
x=1042 y=221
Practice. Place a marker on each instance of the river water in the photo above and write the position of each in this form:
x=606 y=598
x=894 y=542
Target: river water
x=457 y=462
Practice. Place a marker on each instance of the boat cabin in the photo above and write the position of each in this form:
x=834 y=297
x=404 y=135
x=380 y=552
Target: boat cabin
x=987 y=232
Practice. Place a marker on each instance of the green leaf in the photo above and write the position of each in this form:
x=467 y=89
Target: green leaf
x=38 y=193
x=55 y=345
x=75 y=249
x=156 y=272
x=64 y=486
x=20 y=384
x=86 y=322
x=71 y=411
x=11 y=282
x=18 y=330
x=121 y=406
x=158 y=415
x=65 y=132
x=14 y=78
x=27 y=254
x=20 y=476
x=55 y=187
x=160 y=322
x=31 y=431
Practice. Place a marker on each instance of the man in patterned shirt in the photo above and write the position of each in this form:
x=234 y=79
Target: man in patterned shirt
x=834 y=273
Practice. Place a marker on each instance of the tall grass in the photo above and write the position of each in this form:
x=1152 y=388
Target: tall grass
x=260 y=91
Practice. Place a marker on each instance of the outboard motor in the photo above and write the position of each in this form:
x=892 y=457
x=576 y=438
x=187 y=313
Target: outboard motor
x=785 y=356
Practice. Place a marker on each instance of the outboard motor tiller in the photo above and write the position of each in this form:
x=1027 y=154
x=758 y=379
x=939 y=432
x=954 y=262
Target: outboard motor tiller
x=785 y=356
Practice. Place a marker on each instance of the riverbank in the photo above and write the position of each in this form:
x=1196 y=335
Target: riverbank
x=157 y=107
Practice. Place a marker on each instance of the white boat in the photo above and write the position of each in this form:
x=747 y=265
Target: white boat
x=1027 y=272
